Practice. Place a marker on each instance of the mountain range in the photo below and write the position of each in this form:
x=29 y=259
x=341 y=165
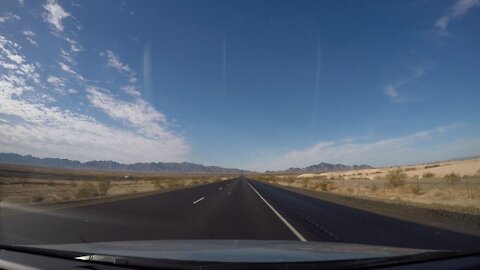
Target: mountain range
x=170 y=167
x=326 y=167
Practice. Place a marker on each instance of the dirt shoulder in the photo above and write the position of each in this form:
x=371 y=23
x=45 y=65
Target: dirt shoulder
x=440 y=218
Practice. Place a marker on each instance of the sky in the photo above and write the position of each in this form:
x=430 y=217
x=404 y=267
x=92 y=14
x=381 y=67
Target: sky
x=258 y=85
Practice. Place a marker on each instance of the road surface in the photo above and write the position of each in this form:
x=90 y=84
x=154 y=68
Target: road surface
x=234 y=209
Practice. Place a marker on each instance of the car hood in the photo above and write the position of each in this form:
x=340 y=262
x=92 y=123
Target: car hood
x=235 y=250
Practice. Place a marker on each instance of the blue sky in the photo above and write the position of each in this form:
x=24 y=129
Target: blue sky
x=258 y=85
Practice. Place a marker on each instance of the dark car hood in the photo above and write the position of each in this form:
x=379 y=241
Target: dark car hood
x=235 y=250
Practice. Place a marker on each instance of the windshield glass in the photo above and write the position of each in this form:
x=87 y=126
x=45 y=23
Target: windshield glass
x=288 y=130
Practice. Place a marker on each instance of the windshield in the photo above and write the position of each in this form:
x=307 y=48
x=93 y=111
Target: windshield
x=283 y=130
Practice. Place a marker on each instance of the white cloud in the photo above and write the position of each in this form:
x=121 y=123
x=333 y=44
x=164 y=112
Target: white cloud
x=32 y=41
x=8 y=16
x=457 y=10
x=29 y=36
x=29 y=33
x=74 y=45
x=139 y=113
x=378 y=153
x=15 y=62
x=391 y=91
x=53 y=132
x=131 y=90
x=35 y=127
x=69 y=69
x=55 y=14
x=114 y=61
x=67 y=57
x=56 y=81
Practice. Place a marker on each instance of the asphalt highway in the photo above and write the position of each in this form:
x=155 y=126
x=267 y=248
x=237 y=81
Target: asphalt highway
x=234 y=209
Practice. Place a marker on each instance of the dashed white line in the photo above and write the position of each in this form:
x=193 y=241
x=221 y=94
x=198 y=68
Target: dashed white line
x=294 y=231
x=197 y=201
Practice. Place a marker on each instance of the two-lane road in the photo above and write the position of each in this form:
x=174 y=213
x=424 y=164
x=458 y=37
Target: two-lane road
x=233 y=209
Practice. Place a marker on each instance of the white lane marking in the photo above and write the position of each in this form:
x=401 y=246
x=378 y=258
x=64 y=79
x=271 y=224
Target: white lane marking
x=197 y=201
x=294 y=231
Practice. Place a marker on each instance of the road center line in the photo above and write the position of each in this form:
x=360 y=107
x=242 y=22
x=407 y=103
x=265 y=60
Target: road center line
x=197 y=201
x=294 y=231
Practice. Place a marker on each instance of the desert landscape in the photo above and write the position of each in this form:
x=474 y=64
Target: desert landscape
x=450 y=185
x=39 y=185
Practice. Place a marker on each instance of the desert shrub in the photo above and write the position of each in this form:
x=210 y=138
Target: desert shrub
x=452 y=178
x=373 y=187
x=396 y=178
x=73 y=184
x=86 y=190
x=416 y=189
x=37 y=199
x=157 y=184
x=478 y=172
x=428 y=175
x=50 y=183
x=323 y=185
x=290 y=180
x=431 y=166
x=410 y=169
x=103 y=185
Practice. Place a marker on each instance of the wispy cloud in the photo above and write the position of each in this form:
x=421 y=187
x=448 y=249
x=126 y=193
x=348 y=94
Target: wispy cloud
x=391 y=91
x=457 y=10
x=138 y=112
x=67 y=57
x=68 y=69
x=29 y=35
x=379 y=153
x=131 y=90
x=56 y=81
x=12 y=61
x=395 y=92
x=114 y=62
x=8 y=16
x=55 y=14
x=74 y=45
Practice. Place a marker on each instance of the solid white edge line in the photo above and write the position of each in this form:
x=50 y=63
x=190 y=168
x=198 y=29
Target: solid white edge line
x=197 y=201
x=294 y=231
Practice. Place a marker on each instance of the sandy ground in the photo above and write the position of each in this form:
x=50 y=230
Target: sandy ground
x=425 y=184
x=469 y=167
